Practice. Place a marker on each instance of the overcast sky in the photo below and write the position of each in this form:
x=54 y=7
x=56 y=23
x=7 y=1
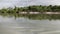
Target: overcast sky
x=11 y=3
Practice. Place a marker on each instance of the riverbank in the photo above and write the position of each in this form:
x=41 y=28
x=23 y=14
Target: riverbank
x=39 y=12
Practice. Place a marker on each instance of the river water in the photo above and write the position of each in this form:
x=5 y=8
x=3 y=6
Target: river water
x=21 y=25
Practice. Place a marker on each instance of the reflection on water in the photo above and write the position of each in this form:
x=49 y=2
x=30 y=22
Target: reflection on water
x=27 y=24
x=33 y=16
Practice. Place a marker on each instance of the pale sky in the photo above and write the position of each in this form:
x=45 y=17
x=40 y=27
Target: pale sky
x=11 y=3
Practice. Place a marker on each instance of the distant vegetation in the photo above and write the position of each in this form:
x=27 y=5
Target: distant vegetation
x=15 y=12
x=34 y=8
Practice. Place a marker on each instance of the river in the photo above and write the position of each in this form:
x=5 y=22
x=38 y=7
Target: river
x=22 y=25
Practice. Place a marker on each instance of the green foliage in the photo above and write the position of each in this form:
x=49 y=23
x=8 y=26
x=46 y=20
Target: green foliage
x=34 y=8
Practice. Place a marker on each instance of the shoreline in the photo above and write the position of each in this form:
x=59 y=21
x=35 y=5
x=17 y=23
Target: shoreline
x=39 y=12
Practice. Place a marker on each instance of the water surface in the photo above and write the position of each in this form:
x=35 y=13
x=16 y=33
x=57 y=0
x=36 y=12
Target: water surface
x=24 y=25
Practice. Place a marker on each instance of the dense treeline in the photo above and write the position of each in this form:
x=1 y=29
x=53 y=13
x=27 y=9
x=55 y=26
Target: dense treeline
x=41 y=8
x=33 y=8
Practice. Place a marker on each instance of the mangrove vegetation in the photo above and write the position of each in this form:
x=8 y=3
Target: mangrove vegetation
x=38 y=8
